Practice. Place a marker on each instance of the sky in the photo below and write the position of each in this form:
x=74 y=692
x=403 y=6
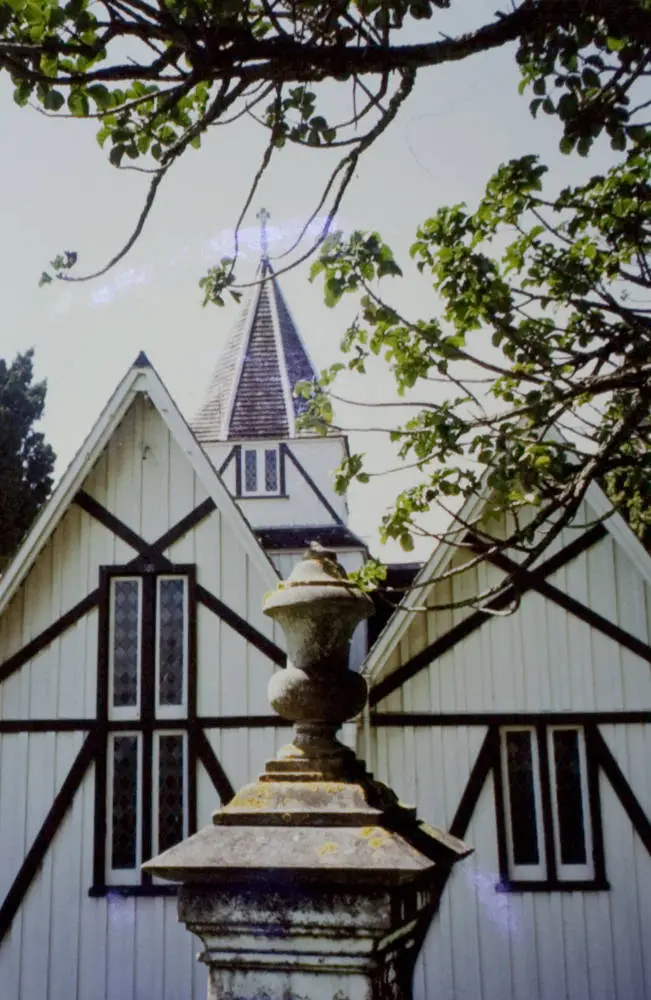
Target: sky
x=59 y=192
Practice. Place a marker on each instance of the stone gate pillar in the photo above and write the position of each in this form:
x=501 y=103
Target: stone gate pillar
x=314 y=882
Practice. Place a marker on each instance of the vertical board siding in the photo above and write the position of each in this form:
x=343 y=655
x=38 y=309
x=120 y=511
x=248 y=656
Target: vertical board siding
x=574 y=946
x=115 y=948
x=529 y=946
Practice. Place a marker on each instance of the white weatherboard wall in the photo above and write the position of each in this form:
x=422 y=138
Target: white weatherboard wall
x=543 y=945
x=64 y=945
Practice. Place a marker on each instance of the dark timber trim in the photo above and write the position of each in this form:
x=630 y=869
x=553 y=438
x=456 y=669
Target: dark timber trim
x=474 y=621
x=500 y=808
x=148 y=685
x=546 y=802
x=578 y=609
x=551 y=885
x=99 y=823
x=110 y=521
x=283 y=471
x=41 y=843
x=191 y=769
x=475 y=784
x=148 y=552
x=215 y=771
x=286 y=450
x=187 y=523
x=382 y=719
x=237 y=451
x=227 y=461
x=241 y=626
x=590 y=734
x=10 y=726
x=622 y=789
x=48 y=635
x=300 y=537
x=481 y=769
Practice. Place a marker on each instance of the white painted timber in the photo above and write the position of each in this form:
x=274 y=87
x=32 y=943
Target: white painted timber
x=64 y=944
x=543 y=945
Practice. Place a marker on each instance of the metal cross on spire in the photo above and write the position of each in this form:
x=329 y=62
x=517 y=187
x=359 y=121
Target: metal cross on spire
x=263 y=217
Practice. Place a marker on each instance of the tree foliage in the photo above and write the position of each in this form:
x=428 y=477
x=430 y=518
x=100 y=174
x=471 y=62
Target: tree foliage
x=541 y=358
x=26 y=461
x=157 y=75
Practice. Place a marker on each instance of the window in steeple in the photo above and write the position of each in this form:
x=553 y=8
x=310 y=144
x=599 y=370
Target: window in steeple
x=271 y=470
x=251 y=470
x=261 y=471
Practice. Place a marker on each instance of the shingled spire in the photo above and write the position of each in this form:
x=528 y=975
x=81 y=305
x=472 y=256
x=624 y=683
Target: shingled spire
x=251 y=393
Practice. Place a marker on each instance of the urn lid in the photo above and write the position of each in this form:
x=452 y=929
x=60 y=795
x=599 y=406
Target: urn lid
x=318 y=576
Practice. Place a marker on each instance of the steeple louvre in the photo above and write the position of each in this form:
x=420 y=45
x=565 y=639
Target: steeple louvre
x=251 y=393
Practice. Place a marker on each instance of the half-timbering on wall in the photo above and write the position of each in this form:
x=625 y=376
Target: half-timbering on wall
x=529 y=735
x=134 y=658
x=134 y=662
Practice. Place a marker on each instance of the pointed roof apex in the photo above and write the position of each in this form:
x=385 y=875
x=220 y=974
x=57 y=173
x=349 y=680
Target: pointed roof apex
x=142 y=361
x=251 y=393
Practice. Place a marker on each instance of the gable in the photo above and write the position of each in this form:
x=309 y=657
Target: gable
x=579 y=639
x=140 y=379
x=138 y=490
x=141 y=507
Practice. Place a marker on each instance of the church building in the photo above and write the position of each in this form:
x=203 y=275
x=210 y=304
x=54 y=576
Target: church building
x=134 y=663
x=134 y=657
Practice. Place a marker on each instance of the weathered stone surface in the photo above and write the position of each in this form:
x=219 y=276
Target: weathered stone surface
x=314 y=882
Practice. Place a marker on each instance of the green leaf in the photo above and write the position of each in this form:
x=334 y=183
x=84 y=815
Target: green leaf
x=100 y=95
x=116 y=154
x=22 y=93
x=49 y=65
x=53 y=100
x=78 y=103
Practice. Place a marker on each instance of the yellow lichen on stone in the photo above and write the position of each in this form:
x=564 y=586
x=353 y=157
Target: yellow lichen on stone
x=328 y=848
x=254 y=797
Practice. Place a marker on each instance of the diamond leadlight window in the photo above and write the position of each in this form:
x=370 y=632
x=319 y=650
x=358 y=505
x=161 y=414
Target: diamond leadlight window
x=124 y=820
x=250 y=471
x=172 y=605
x=171 y=781
x=260 y=469
x=126 y=614
x=271 y=470
x=147 y=663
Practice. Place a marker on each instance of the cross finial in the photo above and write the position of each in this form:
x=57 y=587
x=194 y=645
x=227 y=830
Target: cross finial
x=263 y=217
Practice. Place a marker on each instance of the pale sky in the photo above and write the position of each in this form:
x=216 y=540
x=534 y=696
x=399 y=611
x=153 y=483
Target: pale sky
x=59 y=192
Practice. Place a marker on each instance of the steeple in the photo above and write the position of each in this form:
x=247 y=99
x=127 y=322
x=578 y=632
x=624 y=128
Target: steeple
x=251 y=392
